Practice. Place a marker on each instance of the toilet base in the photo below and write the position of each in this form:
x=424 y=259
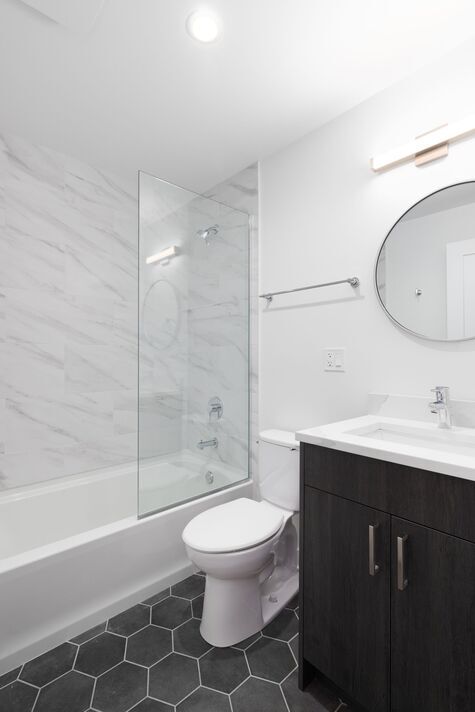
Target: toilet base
x=235 y=609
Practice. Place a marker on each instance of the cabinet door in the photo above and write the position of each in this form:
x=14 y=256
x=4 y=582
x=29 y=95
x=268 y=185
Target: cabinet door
x=432 y=621
x=345 y=606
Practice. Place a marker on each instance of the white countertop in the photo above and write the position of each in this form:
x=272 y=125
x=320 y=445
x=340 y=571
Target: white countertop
x=406 y=442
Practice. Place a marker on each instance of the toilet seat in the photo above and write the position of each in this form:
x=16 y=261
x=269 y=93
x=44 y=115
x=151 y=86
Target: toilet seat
x=234 y=526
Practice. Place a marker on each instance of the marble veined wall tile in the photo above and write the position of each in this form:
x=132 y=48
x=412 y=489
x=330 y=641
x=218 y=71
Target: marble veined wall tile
x=31 y=369
x=125 y=411
x=28 y=262
x=34 y=423
x=2 y=316
x=226 y=273
x=2 y=425
x=24 y=468
x=98 y=368
x=68 y=315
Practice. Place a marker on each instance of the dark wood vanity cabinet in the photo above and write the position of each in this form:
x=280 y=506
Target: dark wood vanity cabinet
x=387 y=583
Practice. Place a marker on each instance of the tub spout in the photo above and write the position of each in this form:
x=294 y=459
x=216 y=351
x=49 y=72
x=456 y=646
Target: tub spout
x=208 y=443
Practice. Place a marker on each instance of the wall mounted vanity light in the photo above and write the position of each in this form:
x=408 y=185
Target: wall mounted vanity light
x=163 y=256
x=427 y=147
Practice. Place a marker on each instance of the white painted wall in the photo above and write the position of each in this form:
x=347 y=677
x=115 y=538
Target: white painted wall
x=324 y=215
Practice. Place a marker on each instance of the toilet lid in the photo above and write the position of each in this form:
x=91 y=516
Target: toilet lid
x=233 y=526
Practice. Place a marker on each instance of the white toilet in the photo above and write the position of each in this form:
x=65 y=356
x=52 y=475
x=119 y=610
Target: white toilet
x=248 y=550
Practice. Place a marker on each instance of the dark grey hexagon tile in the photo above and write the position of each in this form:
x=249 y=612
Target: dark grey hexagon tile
x=173 y=678
x=88 y=634
x=270 y=659
x=258 y=696
x=171 y=612
x=197 y=606
x=223 y=669
x=293 y=604
x=50 y=665
x=9 y=677
x=283 y=627
x=190 y=587
x=294 y=646
x=297 y=613
x=149 y=645
x=316 y=698
x=72 y=692
x=100 y=654
x=203 y=700
x=157 y=598
x=187 y=639
x=149 y=705
x=17 y=697
x=120 y=689
x=244 y=644
x=130 y=621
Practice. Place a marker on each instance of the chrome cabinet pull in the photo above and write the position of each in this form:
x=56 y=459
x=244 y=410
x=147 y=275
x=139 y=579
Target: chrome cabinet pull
x=401 y=562
x=373 y=567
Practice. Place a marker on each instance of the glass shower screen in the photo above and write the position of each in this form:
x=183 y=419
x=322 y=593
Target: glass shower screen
x=193 y=385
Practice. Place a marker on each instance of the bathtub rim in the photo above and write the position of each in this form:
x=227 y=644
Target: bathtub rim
x=60 y=547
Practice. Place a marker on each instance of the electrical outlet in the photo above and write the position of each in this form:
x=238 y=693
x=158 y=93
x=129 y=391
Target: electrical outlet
x=334 y=359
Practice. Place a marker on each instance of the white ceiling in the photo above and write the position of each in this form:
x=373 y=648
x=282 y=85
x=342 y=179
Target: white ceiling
x=136 y=91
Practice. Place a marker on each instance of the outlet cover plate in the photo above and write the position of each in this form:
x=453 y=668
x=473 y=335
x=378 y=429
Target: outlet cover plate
x=334 y=359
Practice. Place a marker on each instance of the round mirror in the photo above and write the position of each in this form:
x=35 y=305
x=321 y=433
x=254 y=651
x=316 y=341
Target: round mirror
x=161 y=314
x=425 y=271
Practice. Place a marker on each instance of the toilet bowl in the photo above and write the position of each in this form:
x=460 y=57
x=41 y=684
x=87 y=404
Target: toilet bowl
x=248 y=549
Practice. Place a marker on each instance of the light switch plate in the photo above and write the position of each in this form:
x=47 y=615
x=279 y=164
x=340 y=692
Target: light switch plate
x=334 y=359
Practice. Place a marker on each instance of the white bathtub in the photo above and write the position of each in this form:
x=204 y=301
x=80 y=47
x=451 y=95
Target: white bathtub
x=72 y=551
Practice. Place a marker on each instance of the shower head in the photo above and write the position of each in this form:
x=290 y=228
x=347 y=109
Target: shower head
x=207 y=233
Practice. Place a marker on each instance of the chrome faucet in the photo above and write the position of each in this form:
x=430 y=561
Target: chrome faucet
x=215 y=408
x=441 y=406
x=207 y=443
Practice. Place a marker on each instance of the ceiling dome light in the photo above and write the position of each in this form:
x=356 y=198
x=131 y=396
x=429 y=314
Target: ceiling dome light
x=203 y=26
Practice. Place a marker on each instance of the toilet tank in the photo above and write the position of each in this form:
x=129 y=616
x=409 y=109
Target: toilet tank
x=279 y=468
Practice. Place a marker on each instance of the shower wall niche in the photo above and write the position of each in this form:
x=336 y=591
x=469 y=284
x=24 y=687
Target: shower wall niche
x=194 y=269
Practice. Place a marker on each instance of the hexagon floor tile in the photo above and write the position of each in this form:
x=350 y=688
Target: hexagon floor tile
x=203 y=700
x=187 y=639
x=223 y=669
x=270 y=659
x=284 y=627
x=152 y=658
x=172 y=679
x=71 y=692
x=121 y=688
x=171 y=612
x=100 y=654
x=130 y=621
x=50 y=665
x=149 y=645
x=258 y=696
x=190 y=588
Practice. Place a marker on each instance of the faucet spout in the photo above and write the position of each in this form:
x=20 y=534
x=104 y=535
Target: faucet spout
x=441 y=406
x=207 y=443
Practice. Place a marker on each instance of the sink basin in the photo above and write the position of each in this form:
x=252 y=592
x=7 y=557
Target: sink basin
x=451 y=441
x=406 y=442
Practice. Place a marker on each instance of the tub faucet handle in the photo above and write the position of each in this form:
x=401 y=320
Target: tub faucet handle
x=215 y=408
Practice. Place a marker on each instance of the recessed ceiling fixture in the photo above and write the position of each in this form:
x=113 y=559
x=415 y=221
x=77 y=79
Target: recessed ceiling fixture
x=203 y=26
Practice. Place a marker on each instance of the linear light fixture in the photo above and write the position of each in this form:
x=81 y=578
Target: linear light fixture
x=426 y=147
x=163 y=255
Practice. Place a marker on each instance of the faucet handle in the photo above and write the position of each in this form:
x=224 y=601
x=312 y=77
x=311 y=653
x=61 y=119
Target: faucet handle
x=441 y=393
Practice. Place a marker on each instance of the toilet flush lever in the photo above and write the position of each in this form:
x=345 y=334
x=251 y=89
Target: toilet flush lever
x=373 y=566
